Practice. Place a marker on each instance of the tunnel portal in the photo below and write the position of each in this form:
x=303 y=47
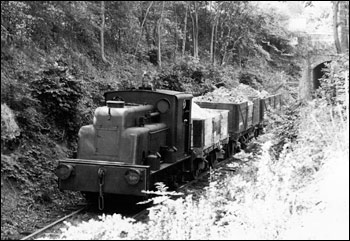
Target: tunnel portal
x=317 y=74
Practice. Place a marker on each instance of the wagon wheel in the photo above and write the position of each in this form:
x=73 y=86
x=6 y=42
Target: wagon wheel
x=212 y=159
x=237 y=147
x=243 y=146
x=195 y=174
x=229 y=149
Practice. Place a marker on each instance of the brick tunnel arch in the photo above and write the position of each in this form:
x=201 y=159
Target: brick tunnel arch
x=317 y=73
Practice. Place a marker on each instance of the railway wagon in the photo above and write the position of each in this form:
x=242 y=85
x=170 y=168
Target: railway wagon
x=244 y=121
x=270 y=103
x=138 y=138
x=209 y=135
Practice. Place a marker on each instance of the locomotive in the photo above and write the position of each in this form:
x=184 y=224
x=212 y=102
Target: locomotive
x=143 y=136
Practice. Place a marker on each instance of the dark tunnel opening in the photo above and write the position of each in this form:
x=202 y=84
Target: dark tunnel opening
x=318 y=73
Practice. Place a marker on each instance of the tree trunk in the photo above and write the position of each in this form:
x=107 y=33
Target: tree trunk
x=215 y=41
x=193 y=35
x=159 y=37
x=335 y=26
x=196 y=28
x=148 y=37
x=194 y=40
x=102 y=31
x=221 y=41
x=344 y=25
x=225 y=48
x=143 y=22
x=212 y=44
x=155 y=36
x=175 y=34
x=185 y=32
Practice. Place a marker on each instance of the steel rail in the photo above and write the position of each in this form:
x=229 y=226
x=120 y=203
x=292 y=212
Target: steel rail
x=53 y=224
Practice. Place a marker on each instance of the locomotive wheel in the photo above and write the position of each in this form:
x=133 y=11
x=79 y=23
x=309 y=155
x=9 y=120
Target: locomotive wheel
x=91 y=197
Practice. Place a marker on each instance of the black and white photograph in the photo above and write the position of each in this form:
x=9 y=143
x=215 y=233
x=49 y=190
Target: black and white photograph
x=175 y=120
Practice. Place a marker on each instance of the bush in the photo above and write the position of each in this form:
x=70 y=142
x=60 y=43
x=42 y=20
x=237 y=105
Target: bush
x=333 y=81
x=59 y=94
x=9 y=127
x=251 y=80
x=191 y=76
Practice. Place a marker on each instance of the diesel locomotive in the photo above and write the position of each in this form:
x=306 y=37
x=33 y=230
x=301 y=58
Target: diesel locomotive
x=142 y=136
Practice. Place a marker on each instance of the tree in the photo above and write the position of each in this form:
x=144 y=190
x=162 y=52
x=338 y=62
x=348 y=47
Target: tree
x=159 y=36
x=142 y=24
x=102 y=29
x=344 y=25
x=175 y=33
x=195 y=27
x=185 y=30
x=335 y=26
x=215 y=19
x=341 y=19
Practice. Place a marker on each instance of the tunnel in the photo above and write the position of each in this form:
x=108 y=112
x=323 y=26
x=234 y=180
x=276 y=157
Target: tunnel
x=317 y=74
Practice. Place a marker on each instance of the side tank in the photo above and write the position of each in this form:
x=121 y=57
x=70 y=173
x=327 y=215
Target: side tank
x=119 y=133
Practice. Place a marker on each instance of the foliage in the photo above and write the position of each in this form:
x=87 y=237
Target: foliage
x=185 y=75
x=285 y=126
x=333 y=81
x=16 y=22
x=251 y=80
x=192 y=76
x=244 y=32
x=29 y=188
x=59 y=94
x=9 y=127
x=252 y=32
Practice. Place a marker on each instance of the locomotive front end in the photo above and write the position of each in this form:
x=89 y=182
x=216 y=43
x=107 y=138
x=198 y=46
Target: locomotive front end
x=113 y=151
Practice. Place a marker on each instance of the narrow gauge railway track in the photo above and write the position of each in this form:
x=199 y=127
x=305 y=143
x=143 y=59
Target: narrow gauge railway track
x=84 y=214
x=36 y=233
